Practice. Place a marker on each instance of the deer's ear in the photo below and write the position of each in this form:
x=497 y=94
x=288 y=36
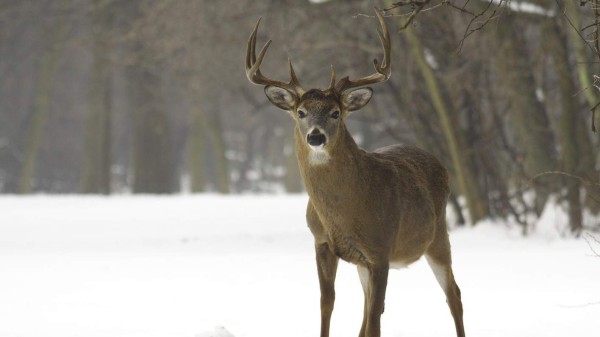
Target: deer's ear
x=281 y=98
x=356 y=99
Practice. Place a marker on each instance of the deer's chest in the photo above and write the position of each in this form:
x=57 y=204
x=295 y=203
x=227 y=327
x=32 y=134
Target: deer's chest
x=356 y=240
x=355 y=226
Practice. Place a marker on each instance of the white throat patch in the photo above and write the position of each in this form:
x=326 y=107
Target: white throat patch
x=318 y=155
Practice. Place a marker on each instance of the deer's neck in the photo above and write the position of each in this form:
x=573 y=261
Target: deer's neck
x=336 y=171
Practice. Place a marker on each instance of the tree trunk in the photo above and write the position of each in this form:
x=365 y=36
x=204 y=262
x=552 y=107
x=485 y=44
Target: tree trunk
x=465 y=178
x=152 y=170
x=197 y=152
x=215 y=132
x=571 y=145
x=426 y=136
x=528 y=114
x=207 y=160
x=584 y=71
x=583 y=63
x=96 y=167
x=49 y=65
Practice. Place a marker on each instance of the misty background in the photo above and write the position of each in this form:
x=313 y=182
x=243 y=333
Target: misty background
x=150 y=96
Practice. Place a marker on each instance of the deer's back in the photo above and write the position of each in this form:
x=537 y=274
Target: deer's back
x=427 y=165
x=424 y=184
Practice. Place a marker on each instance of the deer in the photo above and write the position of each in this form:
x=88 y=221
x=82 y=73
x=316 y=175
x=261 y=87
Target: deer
x=377 y=210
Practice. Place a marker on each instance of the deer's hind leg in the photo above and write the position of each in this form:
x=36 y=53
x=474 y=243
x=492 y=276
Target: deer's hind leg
x=374 y=282
x=363 y=273
x=440 y=261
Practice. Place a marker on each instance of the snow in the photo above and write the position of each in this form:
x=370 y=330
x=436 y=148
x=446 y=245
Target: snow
x=219 y=266
x=524 y=7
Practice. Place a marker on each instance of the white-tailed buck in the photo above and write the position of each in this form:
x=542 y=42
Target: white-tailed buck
x=378 y=210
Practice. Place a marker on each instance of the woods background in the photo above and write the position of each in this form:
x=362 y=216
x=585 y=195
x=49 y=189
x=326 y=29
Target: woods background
x=150 y=96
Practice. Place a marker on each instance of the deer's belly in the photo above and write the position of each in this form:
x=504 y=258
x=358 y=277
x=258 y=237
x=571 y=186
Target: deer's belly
x=347 y=249
x=361 y=249
x=354 y=248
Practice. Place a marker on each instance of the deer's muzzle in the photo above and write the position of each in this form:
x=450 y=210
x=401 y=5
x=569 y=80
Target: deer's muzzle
x=316 y=138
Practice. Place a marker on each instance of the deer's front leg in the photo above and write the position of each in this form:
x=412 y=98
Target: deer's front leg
x=374 y=280
x=327 y=264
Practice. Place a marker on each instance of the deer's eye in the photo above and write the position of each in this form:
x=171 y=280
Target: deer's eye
x=335 y=115
x=301 y=113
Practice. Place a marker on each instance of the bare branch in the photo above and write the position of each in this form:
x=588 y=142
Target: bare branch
x=460 y=9
x=417 y=6
x=479 y=19
x=595 y=47
x=412 y=3
x=589 y=238
x=481 y=25
x=584 y=181
x=595 y=24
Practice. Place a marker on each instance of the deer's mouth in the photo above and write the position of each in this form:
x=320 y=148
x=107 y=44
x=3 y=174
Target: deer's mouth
x=316 y=139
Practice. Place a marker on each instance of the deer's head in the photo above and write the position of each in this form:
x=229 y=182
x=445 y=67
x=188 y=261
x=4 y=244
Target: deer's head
x=318 y=113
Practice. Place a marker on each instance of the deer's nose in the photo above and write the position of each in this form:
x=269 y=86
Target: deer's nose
x=316 y=138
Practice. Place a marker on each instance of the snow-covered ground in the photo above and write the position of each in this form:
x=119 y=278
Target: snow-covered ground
x=202 y=266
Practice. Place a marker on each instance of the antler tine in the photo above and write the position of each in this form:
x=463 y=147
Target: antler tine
x=332 y=83
x=383 y=71
x=293 y=79
x=384 y=37
x=251 y=48
x=253 y=65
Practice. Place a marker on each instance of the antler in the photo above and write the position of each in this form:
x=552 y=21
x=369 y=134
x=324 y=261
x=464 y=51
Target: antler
x=383 y=72
x=253 y=66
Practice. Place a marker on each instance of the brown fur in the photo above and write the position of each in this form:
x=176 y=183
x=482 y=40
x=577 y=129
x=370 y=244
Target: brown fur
x=375 y=209
x=365 y=203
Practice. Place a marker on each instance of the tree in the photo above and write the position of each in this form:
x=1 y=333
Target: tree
x=528 y=114
x=97 y=164
x=48 y=66
x=152 y=153
x=460 y=164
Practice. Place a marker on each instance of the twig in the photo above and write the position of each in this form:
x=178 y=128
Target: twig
x=417 y=6
x=412 y=3
x=412 y=16
x=586 y=238
x=584 y=181
x=469 y=31
x=461 y=9
x=594 y=48
x=564 y=12
x=581 y=179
